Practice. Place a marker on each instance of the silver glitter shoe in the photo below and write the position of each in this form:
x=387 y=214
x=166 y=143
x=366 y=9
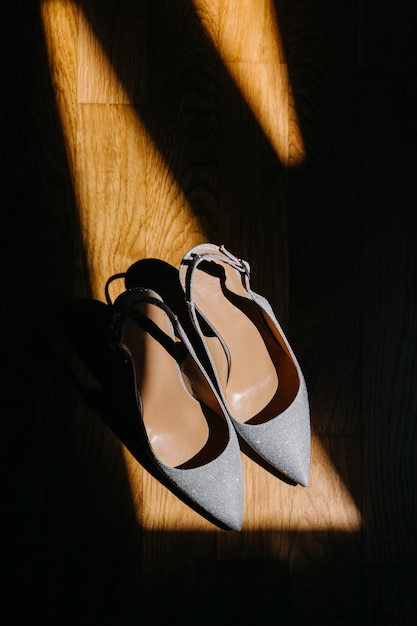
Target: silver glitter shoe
x=256 y=371
x=191 y=442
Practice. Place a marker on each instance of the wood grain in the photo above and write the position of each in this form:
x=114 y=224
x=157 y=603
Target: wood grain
x=389 y=327
x=324 y=216
x=112 y=201
x=109 y=71
x=287 y=132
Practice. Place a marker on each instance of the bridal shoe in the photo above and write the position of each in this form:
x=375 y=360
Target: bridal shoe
x=256 y=372
x=191 y=442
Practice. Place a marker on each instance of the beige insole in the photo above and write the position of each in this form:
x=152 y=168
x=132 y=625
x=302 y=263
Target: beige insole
x=177 y=425
x=262 y=379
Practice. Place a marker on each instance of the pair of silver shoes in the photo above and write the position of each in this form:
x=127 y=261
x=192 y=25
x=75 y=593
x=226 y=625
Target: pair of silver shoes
x=211 y=365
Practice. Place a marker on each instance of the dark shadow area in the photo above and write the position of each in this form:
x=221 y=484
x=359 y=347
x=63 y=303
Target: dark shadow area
x=190 y=99
x=112 y=395
x=112 y=392
x=195 y=114
x=50 y=515
x=43 y=324
x=74 y=549
x=235 y=588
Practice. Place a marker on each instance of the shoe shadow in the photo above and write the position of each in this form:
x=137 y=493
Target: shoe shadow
x=164 y=278
x=87 y=325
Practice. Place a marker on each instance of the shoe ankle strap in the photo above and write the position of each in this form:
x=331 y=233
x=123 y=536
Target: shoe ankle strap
x=108 y=283
x=220 y=253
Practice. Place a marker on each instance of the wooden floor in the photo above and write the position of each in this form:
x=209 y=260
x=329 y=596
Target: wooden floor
x=286 y=130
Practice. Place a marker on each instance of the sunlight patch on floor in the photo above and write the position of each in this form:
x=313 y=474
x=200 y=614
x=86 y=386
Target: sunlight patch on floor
x=270 y=504
x=326 y=503
x=249 y=43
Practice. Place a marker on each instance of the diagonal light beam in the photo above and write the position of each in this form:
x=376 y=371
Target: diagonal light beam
x=326 y=503
x=249 y=43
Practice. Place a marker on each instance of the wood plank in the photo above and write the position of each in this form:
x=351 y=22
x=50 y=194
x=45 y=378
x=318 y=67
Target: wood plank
x=385 y=37
x=298 y=163
x=112 y=52
x=253 y=199
x=323 y=217
x=325 y=538
x=324 y=312
x=390 y=596
x=111 y=187
x=65 y=516
x=254 y=145
x=249 y=32
x=389 y=324
x=182 y=120
x=389 y=327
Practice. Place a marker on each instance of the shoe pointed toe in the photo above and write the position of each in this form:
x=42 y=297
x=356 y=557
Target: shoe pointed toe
x=191 y=441
x=251 y=358
x=216 y=488
x=285 y=441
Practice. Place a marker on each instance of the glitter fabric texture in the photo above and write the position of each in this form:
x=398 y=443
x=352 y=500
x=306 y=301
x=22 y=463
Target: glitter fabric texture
x=282 y=438
x=216 y=487
x=283 y=441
